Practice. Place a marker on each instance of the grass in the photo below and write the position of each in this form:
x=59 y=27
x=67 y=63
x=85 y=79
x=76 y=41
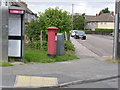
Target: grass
x=113 y=61
x=40 y=56
x=5 y=64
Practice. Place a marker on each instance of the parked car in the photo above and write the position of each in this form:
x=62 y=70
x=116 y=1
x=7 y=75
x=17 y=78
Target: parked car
x=80 y=34
x=72 y=33
x=112 y=34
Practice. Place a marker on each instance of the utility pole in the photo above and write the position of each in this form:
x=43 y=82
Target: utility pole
x=41 y=38
x=72 y=14
x=116 y=32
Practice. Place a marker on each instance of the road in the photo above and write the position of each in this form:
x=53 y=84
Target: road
x=100 y=45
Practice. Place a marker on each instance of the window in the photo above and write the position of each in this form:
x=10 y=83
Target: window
x=101 y=23
x=105 y=23
x=6 y=4
x=94 y=23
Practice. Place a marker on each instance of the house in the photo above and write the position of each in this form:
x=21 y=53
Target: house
x=29 y=15
x=102 y=21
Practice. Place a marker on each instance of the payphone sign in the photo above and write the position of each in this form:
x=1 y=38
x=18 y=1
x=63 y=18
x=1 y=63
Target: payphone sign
x=17 y=11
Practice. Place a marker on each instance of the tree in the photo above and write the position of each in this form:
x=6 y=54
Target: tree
x=33 y=30
x=106 y=10
x=57 y=18
x=78 y=22
x=50 y=18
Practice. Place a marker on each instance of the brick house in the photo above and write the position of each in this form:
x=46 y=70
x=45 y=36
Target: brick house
x=102 y=21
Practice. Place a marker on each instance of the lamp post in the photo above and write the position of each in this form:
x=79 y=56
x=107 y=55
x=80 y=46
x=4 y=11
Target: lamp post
x=116 y=32
x=72 y=14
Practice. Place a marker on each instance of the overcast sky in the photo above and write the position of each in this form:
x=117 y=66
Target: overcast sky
x=90 y=7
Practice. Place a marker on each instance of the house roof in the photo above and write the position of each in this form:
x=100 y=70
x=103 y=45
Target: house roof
x=105 y=17
x=22 y=4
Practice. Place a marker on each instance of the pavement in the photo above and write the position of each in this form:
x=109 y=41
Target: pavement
x=89 y=66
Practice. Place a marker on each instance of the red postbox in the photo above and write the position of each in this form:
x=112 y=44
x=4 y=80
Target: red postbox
x=52 y=40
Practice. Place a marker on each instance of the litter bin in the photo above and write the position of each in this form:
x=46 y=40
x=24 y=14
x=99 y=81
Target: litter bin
x=60 y=44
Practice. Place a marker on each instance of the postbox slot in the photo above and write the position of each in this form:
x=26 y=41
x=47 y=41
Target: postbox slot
x=55 y=36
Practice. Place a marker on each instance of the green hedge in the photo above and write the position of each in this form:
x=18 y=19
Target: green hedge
x=99 y=31
x=104 y=30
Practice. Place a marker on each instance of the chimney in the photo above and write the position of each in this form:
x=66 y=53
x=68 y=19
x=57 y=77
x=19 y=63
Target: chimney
x=96 y=15
x=112 y=13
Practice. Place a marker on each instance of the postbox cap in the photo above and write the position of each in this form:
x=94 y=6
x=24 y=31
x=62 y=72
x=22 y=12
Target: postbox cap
x=52 y=28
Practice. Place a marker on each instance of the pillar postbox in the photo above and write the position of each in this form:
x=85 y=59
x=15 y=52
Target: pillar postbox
x=52 y=41
x=12 y=32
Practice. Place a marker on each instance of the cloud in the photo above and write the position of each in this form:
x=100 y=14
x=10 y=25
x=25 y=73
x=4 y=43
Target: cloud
x=70 y=1
x=90 y=7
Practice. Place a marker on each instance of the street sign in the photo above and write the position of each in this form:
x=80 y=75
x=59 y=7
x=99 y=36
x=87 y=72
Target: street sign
x=17 y=11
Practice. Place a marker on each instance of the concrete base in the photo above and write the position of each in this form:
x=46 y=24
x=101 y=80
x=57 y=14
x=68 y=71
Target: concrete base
x=51 y=55
x=119 y=51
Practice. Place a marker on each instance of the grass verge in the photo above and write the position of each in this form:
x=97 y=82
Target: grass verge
x=5 y=64
x=113 y=61
x=40 y=56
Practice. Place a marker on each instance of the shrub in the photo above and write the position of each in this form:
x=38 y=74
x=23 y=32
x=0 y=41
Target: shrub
x=44 y=45
x=37 y=44
x=30 y=44
x=69 y=46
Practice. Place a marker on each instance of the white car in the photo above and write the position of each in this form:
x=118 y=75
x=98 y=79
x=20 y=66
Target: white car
x=73 y=33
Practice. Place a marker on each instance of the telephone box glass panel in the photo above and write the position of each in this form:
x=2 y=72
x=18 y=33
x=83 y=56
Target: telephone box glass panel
x=14 y=48
x=14 y=25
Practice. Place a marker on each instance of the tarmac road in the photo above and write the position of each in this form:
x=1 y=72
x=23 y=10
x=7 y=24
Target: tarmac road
x=98 y=44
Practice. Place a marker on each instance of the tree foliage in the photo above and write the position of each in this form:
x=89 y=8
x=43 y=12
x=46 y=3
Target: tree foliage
x=56 y=18
x=50 y=18
x=78 y=21
x=33 y=30
x=106 y=10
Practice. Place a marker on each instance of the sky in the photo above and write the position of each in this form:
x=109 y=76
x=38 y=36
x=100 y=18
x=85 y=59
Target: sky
x=89 y=7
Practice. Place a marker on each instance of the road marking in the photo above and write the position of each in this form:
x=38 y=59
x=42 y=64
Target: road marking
x=35 y=81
